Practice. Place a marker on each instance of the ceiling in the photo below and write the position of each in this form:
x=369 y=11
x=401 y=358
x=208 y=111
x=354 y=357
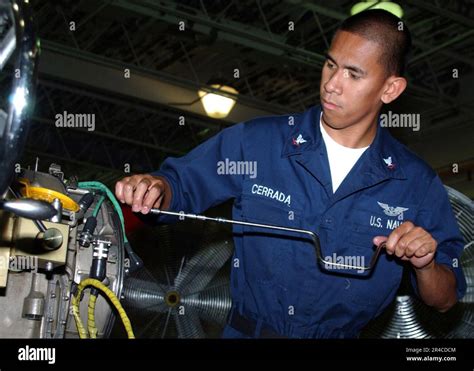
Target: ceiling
x=129 y=63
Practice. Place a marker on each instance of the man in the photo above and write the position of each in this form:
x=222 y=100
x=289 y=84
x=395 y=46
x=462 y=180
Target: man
x=332 y=170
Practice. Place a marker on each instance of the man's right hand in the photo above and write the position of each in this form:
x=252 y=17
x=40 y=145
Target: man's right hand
x=143 y=192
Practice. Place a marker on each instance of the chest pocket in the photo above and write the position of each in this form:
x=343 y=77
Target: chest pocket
x=371 y=217
x=267 y=254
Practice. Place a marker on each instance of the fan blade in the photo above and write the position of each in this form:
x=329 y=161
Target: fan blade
x=202 y=267
x=169 y=257
x=213 y=303
x=406 y=324
x=179 y=296
x=150 y=327
x=188 y=324
x=142 y=294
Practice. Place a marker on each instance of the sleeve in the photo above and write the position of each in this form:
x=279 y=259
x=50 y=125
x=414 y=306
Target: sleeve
x=199 y=180
x=436 y=216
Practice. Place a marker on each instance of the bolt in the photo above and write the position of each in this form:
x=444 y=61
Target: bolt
x=49 y=266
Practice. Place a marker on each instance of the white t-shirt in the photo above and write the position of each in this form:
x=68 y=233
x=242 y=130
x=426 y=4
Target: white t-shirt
x=341 y=159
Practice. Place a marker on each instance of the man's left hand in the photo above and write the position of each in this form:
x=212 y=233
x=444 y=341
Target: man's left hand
x=412 y=243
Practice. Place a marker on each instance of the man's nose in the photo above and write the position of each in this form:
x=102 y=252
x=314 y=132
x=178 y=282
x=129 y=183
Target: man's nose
x=334 y=84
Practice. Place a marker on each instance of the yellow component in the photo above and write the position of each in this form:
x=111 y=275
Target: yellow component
x=77 y=318
x=45 y=194
x=91 y=326
x=110 y=295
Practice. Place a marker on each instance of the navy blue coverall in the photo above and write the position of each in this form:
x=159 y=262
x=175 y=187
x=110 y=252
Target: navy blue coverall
x=276 y=282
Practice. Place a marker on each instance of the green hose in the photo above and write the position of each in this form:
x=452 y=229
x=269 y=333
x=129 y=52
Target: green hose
x=97 y=207
x=110 y=195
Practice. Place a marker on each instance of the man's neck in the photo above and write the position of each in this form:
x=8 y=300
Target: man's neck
x=355 y=136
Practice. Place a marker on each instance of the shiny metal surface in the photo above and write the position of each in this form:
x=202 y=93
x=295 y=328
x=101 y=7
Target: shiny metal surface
x=29 y=208
x=14 y=136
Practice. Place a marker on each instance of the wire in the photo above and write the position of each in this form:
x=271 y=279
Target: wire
x=96 y=283
x=113 y=299
x=110 y=195
x=97 y=207
x=135 y=260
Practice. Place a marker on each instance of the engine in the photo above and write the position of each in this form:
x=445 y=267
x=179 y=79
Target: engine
x=42 y=263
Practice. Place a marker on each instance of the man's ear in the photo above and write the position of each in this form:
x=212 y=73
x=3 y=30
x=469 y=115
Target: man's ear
x=394 y=86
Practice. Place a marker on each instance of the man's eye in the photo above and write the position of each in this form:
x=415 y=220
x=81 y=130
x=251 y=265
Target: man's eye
x=354 y=77
x=330 y=65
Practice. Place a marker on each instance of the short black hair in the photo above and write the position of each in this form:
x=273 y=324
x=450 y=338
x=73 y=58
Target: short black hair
x=387 y=30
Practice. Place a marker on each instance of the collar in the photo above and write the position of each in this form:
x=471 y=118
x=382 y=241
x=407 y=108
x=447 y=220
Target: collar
x=383 y=158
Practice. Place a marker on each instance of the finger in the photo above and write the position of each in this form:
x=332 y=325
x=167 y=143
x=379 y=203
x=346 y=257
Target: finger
x=423 y=239
x=415 y=245
x=396 y=234
x=128 y=189
x=139 y=193
x=400 y=248
x=425 y=249
x=159 y=201
x=377 y=240
x=119 y=189
x=407 y=239
x=151 y=197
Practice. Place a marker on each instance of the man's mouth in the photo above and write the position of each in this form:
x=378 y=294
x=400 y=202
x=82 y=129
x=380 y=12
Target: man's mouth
x=329 y=105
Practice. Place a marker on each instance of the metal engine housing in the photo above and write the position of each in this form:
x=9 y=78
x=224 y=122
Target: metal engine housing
x=35 y=300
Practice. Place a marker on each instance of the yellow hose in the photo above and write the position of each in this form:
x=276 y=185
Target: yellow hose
x=91 y=317
x=113 y=299
x=77 y=317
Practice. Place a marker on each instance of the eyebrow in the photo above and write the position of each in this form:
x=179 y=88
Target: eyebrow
x=355 y=69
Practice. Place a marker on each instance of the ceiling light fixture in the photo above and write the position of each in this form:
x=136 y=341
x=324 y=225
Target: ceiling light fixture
x=216 y=105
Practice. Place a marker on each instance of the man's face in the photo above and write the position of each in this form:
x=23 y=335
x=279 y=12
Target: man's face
x=352 y=81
